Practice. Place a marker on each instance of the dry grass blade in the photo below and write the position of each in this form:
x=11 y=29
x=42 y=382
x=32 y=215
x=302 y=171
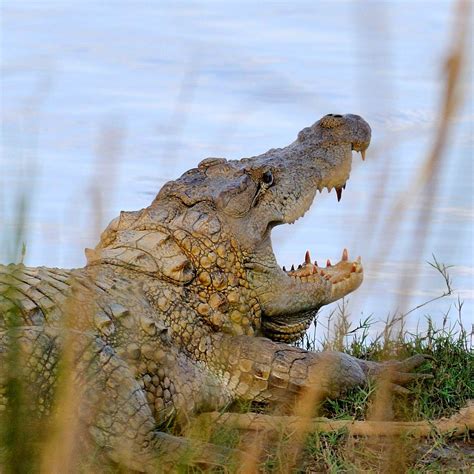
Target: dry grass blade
x=457 y=425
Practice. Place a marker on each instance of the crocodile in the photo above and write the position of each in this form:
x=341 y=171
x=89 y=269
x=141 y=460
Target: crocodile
x=182 y=306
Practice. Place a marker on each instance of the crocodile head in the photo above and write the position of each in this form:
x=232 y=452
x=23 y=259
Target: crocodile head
x=241 y=201
x=253 y=195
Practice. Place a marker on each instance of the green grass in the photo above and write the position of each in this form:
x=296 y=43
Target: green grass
x=451 y=387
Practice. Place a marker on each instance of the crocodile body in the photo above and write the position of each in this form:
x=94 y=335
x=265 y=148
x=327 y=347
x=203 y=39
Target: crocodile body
x=182 y=306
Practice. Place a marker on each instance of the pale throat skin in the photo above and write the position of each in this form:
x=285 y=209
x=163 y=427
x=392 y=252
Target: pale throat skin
x=182 y=306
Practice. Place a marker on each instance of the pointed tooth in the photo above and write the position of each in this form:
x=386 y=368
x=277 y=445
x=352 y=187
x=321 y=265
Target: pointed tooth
x=299 y=266
x=307 y=257
x=362 y=152
x=284 y=269
x=344 y=186
x=328 y=263
x=339 y=194
x=315 y=263
x=345 y=255
x=292 y=268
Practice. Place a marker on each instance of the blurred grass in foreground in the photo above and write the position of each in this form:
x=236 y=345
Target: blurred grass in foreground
x=25 y=440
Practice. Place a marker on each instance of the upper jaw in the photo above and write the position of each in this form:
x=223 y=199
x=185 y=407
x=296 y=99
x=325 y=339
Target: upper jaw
x=335 y=179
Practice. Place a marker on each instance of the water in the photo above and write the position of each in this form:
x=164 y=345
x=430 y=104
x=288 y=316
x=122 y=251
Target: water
x=102 y=102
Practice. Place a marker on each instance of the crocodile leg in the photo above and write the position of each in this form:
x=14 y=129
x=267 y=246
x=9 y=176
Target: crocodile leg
x=263 y=370
x=125 y=427
x=105 y=400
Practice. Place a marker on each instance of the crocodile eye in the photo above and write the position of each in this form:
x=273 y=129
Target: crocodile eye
x=267 y=178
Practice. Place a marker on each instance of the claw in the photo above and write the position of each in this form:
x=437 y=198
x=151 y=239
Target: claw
x=412 y=362
x=403 y=378
x=399 y=389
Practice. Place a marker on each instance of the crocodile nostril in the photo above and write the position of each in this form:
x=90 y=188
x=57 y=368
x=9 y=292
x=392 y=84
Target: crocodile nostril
x=337 y=116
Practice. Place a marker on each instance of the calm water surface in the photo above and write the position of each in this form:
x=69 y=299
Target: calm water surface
x=102 y=102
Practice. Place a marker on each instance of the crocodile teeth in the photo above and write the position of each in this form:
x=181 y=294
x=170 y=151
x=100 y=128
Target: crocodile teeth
x=362 y=152
x=306 y=269
x=339 y=194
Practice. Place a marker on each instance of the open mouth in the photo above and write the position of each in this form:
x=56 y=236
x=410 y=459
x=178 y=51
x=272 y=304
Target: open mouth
x=308 y=285
x=345 y=269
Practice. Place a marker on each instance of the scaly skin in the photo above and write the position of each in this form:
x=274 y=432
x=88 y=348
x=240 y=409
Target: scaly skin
x=182 y=306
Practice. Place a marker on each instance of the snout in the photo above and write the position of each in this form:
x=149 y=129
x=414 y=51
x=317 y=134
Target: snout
x=360 y=132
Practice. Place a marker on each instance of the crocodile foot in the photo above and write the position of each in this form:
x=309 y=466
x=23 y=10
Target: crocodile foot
x=396 y=374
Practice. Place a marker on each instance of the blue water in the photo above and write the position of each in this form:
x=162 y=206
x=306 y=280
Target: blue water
x=102 y=102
